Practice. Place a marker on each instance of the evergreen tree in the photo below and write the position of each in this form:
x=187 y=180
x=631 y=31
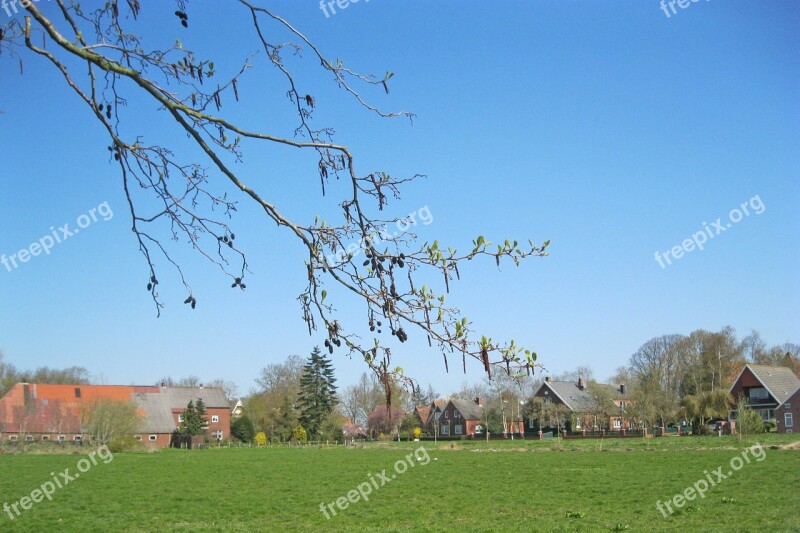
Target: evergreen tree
x=189 y=418
x=287 y=420
x=242 y=429
x=200 y=414
x=317 y=392
x=418 y=397
x=194 y=419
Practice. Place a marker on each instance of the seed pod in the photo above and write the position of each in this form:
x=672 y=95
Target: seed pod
x=149 y=286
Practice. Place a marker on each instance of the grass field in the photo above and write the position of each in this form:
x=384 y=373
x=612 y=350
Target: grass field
x=590 y=485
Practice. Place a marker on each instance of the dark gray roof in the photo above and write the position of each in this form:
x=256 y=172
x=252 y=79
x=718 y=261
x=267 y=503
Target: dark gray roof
x=468 y=409
x=157 y=406
x=779 y=380
x=157 y=413
x=180 y=396
x=578 y=400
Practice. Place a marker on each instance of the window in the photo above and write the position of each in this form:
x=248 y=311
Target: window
x=531 y=424
x=457 y=415
x=214 y=418
x=180 y=418
x=137 y=437
x=45 y=437
x=29 y=438
x=766 y=414
x=77 y=392
x=13 y=438
x=458 y=429
x=152 y=438
x=787 y=420
x=617 y=423
x=446 y=415
x=787 y=405
x=62 y=438
x=438 y=415
x=758 y=394
x=77 y=438
x=218 y=435
x=445 y=430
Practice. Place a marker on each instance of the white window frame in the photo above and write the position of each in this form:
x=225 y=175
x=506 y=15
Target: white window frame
x=45 y=437
x=152 y=438
x=13 y=438
x=787 y=405
x=445 y=415
x=617 y=423
x=28 y=438
x=62 y=438
x=180 y=418
x=214 y=419
x=444 y=430
x=788 y=420
x=458 y=429
x=77 y=438
x=137 y=437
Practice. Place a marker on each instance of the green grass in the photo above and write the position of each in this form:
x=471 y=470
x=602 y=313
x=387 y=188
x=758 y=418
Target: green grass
x=472 y=486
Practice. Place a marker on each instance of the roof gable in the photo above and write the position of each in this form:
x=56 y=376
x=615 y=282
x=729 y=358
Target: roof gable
x=779 y=381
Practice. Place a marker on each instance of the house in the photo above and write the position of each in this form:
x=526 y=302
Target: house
x=40 y=412
x=772 y=391
x=421 y=414
x=434 y=413
x=580 y=402
x=788 y=413
x=466 y=417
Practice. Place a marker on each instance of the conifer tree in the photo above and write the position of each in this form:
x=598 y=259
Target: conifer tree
x=317 y=392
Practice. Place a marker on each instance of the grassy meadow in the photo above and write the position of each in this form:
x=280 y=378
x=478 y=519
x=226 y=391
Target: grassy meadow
x=591 y=485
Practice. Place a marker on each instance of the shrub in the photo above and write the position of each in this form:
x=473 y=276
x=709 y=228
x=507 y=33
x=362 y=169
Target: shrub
x=770 y=427
x=299 y=434
x=125 y=444
x=748 y=422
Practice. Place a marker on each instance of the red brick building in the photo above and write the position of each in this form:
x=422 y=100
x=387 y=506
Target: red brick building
x=772 y=391
x=33 y=412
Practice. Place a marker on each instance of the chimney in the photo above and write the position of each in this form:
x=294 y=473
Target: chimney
x=479 y=400
x=580 y=383
x=547 y=379
x=622 y=389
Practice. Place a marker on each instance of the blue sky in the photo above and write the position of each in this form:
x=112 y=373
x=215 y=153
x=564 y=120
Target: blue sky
x=610 y=129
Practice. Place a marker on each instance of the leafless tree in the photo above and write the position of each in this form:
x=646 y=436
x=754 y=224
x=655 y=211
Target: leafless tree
x=192 y=199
